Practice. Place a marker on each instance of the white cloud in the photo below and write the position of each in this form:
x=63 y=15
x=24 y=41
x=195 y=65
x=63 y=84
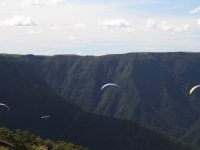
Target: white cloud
x=166 y=26
x=117 y=23
x=55 y=27
x=51 y=52
x=55 y=51
x=19 y=21
x=130 y=30
x=148 y=48
x=80 y=25
x=33 y=32
x=71 y=38
x=79 y=53
x=100 y=53
x=198 y=22
x=42 y=2
x=150 y=23
x=2 y=2
x=183 y=28
x=195 y=10
x=170 y=27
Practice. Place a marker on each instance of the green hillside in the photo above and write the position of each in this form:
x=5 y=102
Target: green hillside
x=119 y=134
x=154 y=86
x=29 y=101
x=23 y=140
x=25 y=90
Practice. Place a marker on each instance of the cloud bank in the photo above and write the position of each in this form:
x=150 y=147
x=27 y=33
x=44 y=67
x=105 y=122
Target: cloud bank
x=42 y=2
x=19 y=21
x=166 y=26
x=2 y=2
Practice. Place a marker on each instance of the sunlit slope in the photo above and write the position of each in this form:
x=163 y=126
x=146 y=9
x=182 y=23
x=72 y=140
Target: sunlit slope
x=154 y=87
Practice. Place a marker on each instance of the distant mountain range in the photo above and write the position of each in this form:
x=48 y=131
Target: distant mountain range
x=154 y=90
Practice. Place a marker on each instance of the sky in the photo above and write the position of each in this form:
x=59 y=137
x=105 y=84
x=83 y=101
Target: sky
x=98 y=27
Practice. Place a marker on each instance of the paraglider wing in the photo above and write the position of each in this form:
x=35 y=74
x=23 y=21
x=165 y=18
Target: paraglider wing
x=197 y=86
x=5 y=106
x=112 y=84
x=45 y=117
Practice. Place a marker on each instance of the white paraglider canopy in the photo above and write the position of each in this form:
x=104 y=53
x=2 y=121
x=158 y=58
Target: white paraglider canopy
x=5 y=106
x=45 y=117
x=194 y=88
x=108 y=84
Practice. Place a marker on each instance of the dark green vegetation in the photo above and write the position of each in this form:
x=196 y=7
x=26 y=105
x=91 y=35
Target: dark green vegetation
x=22 y=140
x=154 y=86
x=154 y=91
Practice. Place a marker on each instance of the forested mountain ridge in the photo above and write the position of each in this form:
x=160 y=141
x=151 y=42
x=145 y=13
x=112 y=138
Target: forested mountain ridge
x=154 y=86
x=31 y=84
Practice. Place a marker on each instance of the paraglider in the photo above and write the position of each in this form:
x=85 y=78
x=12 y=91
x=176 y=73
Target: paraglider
x=5 y=106
x=112 y=84
x=197 y=86
x=45 y=117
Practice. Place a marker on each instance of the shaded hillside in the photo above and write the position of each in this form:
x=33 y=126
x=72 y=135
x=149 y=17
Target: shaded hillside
x=29 y=99
x=154 y=86
x=193 y=135
x=117 y=134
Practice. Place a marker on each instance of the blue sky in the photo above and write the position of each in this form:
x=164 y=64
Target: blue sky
x=89 y=27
